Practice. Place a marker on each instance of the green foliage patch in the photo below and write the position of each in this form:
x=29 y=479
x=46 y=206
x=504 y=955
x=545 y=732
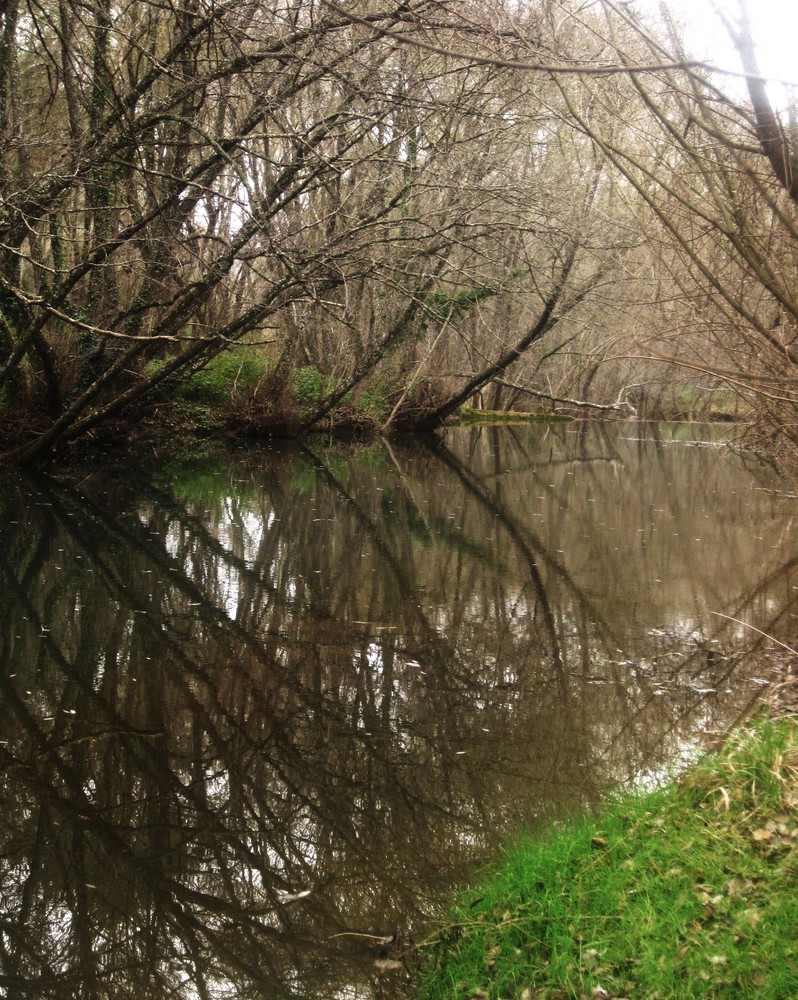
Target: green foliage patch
x=308 y=386
x=228 y=374
x=691 y=891
x=373 y=402
x=452 y=305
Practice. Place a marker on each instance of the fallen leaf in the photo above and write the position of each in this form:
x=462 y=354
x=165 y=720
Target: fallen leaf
x=762 y=834
x=590 y=958
x=387 y=965
x=751 y=916
x=738 y=886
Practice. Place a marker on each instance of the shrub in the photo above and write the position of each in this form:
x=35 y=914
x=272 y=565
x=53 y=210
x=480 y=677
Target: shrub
x=231 y=374
x=308 y=386
x=373 y=403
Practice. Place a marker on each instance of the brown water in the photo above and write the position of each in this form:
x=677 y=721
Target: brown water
x=259 y=711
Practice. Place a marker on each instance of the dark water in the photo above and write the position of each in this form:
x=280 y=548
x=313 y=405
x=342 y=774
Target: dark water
x=258 y=712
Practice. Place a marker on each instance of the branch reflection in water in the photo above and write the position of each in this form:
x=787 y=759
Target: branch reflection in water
x=262 y=712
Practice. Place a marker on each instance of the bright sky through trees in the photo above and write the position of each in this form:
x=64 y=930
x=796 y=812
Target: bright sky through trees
x=774 y=25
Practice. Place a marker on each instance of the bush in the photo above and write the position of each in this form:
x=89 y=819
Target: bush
x=231 y=374
x=373 y=403
x=308 y=386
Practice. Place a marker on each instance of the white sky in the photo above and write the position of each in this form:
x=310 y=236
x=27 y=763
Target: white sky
x=775 y=29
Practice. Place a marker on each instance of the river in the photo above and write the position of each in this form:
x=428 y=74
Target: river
x=262 y=711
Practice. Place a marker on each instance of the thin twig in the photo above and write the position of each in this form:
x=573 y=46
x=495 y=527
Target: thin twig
x=755 y=629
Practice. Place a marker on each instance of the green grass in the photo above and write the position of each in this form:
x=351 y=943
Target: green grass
x=690 y=891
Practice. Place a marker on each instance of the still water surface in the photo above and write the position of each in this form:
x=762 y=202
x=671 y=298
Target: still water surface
x=259 y=711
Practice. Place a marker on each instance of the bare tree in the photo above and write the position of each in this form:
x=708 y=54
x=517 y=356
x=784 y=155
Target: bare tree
x=173 y=186
x=342 y=184
x=712 y=181
x=395 y=201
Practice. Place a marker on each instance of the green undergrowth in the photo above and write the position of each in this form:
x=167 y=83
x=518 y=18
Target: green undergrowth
x=690 y=891
x=231 y=372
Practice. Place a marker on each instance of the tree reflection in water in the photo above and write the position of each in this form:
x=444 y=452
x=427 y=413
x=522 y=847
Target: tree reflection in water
x=258 y=718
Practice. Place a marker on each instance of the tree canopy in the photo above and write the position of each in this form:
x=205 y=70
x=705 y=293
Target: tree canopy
x=392 y=206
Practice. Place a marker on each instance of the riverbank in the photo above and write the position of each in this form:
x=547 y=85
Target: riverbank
x=689 y=891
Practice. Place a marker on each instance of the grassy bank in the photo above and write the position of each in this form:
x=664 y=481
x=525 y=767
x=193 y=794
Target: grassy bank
x=690 y=891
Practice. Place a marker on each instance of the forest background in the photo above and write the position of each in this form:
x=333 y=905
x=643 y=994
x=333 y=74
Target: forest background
x=369 y=214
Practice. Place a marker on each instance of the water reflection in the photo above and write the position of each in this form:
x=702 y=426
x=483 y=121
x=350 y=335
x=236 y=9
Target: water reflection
x=259 y=714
